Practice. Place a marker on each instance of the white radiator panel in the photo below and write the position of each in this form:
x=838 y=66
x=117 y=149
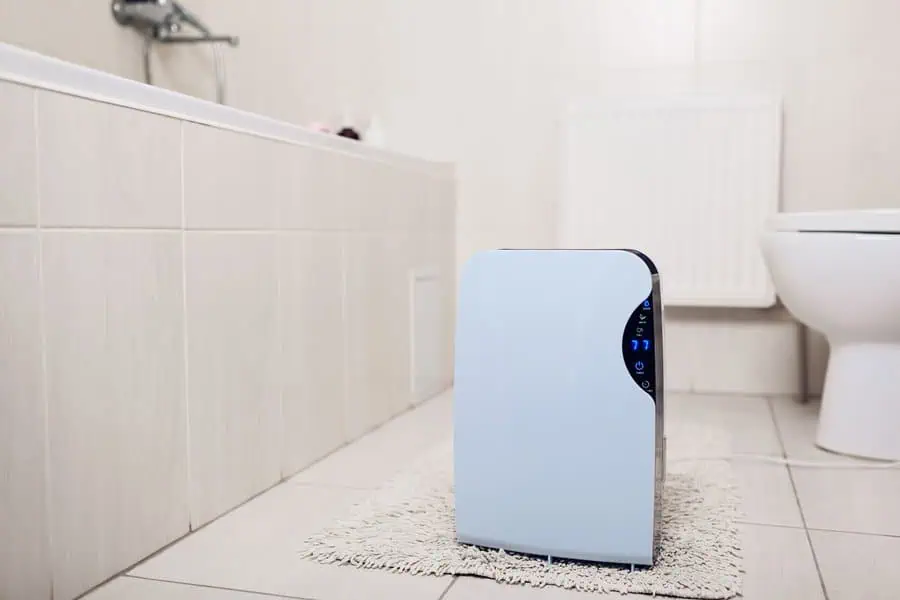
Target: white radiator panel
x=689 y=180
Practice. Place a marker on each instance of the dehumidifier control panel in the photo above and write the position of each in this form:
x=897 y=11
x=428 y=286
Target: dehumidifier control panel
x=639 y=346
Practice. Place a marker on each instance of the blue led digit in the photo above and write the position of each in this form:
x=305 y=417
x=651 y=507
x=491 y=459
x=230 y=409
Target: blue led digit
x=635 y=344
x=646 y=344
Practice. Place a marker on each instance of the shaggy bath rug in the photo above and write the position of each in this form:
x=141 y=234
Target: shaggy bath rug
x=408 y=527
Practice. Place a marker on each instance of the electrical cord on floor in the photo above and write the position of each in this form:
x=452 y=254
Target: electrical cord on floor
x=789 y=462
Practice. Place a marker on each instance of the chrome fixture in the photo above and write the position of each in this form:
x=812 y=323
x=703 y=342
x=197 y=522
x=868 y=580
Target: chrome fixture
x=163 y=21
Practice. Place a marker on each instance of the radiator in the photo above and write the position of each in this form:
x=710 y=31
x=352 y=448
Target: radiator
x=688 y=180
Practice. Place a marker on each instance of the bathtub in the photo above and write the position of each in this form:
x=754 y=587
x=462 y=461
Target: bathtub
x=198 y=302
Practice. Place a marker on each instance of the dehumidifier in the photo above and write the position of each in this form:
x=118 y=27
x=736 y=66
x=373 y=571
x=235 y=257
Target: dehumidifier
x=558 y=413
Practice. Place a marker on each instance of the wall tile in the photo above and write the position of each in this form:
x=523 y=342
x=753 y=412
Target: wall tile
x=406 y=201
x=377 y=313
x=233 y=395
x=471 y=241
x=232 y=180
x=434 y=250
x=18 y=156
x=311 y=291
x=841 y=135
x=428 y=350
x=316 y=197
x=371 y=197
x=117 y=412
x=441 y=206
x=816 y=31
x=741 y=30
x=72 y=35
x=732 y=352
x=107 y=166
x=737 y=78
x=501 y=201
x=629 y=33
x=385 y=197
x=24 y=546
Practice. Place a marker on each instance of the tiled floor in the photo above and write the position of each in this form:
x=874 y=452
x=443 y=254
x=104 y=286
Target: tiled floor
x=849 y=549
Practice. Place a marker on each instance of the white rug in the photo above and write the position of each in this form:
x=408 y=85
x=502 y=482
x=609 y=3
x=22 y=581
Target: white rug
x=408 y=527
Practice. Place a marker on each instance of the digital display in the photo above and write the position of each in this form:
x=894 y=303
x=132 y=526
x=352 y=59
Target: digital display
x=643 y=345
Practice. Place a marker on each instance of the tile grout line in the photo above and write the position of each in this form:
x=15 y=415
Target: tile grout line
x=295 y=479
x=280 y=354
x=447 y=589
x=345 y=342
x=330 y=485
x=893 y=536
x=185 y=347
x=395 y=160
x=217 y=587
x=790 y=472
x=217 y=230
x=42 y=324
x=127 y=572
x=816 y=529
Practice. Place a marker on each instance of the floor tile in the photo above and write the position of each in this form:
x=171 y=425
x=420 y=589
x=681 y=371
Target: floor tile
x=256 y=548
x=372 y=460
x=748 y=420
x=779 y=565
x=797 y=422
x=766 y=491
x=473 y=588
x=778 y=562
x=862 y=501
x=131 y=588
x=852 y=501
x=858 y=567
x=767 y=495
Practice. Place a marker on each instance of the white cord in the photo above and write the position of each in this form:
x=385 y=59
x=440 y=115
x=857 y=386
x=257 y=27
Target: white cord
x=787 y=462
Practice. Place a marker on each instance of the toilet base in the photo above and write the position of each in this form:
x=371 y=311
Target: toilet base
x=860 y=413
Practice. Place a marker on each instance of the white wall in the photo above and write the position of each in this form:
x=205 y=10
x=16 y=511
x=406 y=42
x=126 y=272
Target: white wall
x=189 y=315
x=489 y=78
x=480 y=82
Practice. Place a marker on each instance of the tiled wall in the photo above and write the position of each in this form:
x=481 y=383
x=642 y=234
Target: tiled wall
x=491 y=105
x=835 y=64
x=187 y=316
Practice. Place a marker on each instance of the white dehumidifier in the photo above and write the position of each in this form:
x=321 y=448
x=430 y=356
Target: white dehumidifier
x=558 y=413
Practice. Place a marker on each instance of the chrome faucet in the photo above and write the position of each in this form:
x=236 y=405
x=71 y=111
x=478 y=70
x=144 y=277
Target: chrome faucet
x=163 y=21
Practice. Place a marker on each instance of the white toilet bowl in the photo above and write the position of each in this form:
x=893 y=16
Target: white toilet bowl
x=839 y=273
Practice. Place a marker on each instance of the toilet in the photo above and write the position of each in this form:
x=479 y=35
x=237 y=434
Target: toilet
x=839 y=273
